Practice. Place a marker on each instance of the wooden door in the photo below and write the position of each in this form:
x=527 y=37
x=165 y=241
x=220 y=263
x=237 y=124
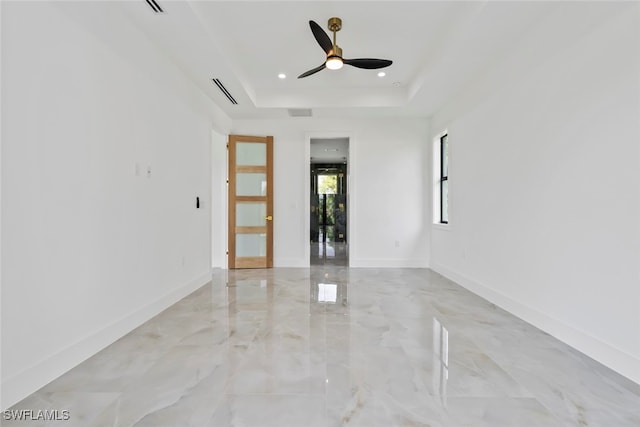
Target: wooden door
x=250 y=201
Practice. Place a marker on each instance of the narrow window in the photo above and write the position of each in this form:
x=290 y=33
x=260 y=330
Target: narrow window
x=444 y=179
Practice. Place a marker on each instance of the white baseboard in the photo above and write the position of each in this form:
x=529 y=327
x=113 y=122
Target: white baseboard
x=610 y=356
x=388 y=263
x=21 y=385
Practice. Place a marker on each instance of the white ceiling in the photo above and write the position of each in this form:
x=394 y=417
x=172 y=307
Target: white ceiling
x=438 y=48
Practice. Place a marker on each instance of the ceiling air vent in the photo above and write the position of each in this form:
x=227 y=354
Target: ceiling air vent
x=225 y=91
x=155 y=6
x=300 y=112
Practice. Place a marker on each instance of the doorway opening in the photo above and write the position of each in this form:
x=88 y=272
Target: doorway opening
x=329 y=196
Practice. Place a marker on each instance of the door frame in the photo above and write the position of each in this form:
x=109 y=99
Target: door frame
x=351 y=190
x=219 y=199
x=231 y=199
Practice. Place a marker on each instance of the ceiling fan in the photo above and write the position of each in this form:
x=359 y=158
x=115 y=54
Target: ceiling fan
x=334 y=59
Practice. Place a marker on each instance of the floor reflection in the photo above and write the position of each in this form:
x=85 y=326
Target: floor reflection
x=440 y=361
x=329 y=293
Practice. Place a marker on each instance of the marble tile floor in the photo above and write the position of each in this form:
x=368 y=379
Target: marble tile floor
x=331 y=346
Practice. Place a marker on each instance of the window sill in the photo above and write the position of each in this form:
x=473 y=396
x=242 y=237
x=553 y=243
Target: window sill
x=443 y=227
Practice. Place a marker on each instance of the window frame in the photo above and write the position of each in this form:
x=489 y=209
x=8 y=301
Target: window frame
x=443 y=140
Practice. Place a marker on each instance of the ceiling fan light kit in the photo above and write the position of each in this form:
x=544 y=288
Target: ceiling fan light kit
x=334 y=60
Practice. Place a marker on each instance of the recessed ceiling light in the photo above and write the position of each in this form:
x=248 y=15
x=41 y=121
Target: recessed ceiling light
x=396 y=84
x=282 y=76
x=382 y=74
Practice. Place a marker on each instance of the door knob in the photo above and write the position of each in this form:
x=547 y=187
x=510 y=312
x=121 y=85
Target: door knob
x=269 y=218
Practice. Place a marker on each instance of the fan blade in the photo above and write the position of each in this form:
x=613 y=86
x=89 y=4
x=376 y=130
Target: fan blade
x=368 y=63
x=315 y=70
x=321 y=37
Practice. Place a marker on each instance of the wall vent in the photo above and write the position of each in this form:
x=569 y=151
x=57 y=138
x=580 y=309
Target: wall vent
x=225 y=91
x=155 y=6
x=299 y=112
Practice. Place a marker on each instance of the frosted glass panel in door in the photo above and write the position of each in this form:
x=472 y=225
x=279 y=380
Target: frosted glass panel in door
x=251 y=214
x=251 y=184
x=251 y=245
x=251 y=154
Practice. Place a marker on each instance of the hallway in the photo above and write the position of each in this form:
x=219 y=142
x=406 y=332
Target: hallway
x=331 y=346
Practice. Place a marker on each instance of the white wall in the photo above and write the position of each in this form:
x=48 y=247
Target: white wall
x=388 y=195
x=545 y=185
x=91 y=246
